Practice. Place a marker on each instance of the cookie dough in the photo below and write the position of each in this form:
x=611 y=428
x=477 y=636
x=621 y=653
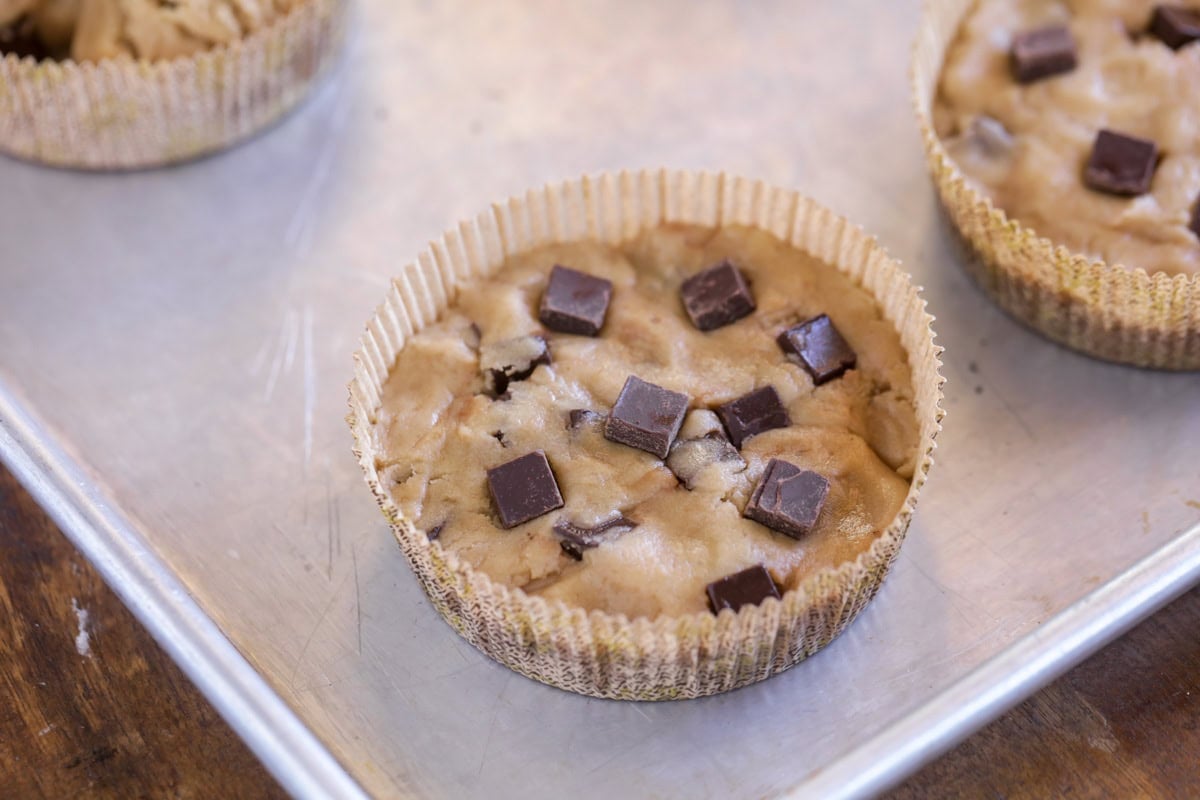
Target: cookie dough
x=12 y=10
x=444 y=424
x=1026 y=145
x=91 y=30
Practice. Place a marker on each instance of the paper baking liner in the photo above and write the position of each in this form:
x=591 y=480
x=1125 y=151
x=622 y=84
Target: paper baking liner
x=603 y=654
x=121 y=113
x=1108 y=311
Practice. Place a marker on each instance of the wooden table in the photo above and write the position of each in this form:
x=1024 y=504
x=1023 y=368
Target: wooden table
x=91 y=707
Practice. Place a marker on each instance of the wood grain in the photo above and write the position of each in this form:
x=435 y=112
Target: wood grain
x=1124 y=724
x=106 y=717
x=119 y=720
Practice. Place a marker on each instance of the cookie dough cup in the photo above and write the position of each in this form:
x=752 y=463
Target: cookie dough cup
x=121 y=113
x=599 y=653
x=1108 y=311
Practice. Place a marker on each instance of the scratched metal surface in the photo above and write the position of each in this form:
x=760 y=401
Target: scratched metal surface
x=186 y=333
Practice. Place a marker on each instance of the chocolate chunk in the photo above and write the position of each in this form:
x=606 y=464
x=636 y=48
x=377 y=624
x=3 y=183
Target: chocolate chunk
x=717 y=296
x=746 y=588
x=575 y=302
x=523 y=489
x=1041 y=53
x=578 y=417
x=574 y=539
x=1121 y=165
x=1175 y=26
x=819 y=348
x=511 y=360
x=646 y=417
x=787 y=499
x=21 y=40
x=751 y=414
x=435 y=531
x=690 y=457
x=1194 y=224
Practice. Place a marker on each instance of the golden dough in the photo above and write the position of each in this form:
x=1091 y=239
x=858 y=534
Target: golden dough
x=1025 y=145
x=91 y=30
x=439 y=431
x=12 y=10
x=98 y=32
x=54 y=21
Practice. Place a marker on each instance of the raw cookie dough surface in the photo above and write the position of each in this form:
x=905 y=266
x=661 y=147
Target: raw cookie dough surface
x=154 y=29
x=91 y=30
x=439 y=431
x=1025 y=145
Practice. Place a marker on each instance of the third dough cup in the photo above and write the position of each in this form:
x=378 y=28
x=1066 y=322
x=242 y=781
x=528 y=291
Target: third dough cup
x=598 y=652
x=1105 y=310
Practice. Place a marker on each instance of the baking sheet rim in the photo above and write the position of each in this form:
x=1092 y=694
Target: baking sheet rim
x=306 y=768
x=160 y=600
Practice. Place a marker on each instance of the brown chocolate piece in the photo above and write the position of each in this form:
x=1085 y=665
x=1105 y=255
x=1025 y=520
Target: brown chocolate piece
x=1042 y=52
x=717 y=296
x=787 y=499
x=575 y=302
x=1121 y=165
x=751 y=414
x=511 y=360
x=1194 y=223
x=819 y=348
x=646 y=416
x=746 y=588
x=574 y=539
x=21 y=40
x=1175 y=26
x=435 y=531
x=523 y=489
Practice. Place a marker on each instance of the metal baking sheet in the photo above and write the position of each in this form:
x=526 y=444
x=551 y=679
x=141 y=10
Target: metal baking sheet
x=174 y=349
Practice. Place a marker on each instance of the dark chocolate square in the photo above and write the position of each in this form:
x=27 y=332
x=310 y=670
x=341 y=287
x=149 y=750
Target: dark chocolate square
x=819 y=348
x=523 y=489
x=746 y=588
x=751 y=414
x=1041 y=53
x=787 y=499
x=1175 y=26
x=717 y=296
x=575 y=302
x=646 y=416
x=1121 y=165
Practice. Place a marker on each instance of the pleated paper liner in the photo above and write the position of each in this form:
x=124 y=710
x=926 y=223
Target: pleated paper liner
x=123 y=113
x=597 y=653
x=1108 y=311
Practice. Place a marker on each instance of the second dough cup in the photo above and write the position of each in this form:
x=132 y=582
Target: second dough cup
x=1105 y=310
x=601 y=653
